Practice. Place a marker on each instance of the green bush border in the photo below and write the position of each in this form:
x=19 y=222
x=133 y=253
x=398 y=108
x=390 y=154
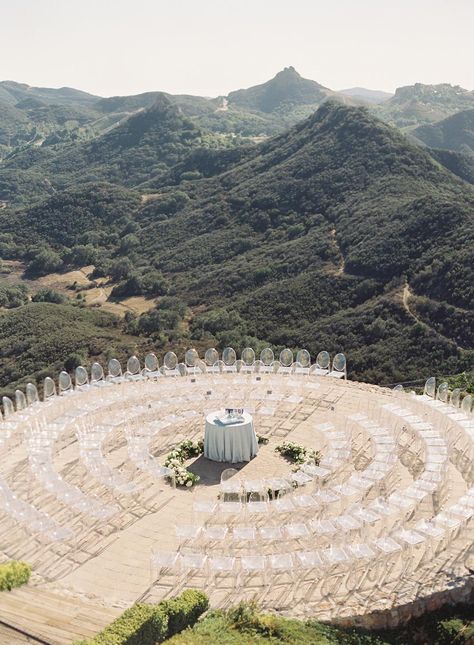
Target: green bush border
x=144 y=624
x=14 y=573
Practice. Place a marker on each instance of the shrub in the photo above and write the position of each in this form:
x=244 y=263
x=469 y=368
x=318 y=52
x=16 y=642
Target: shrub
x=73 y=361
x=144 y=624
x=14 y=296
x=185 y=610
x=14 y=574
x=139 y=625
x=47 y=294
x=45 y=261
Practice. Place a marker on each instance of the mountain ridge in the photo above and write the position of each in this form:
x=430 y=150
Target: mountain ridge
x=286 y=88
x=454 y=133
x=305 y=239
x=368 y=95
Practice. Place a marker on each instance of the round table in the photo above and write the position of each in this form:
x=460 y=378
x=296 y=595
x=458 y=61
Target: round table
x=231 y=442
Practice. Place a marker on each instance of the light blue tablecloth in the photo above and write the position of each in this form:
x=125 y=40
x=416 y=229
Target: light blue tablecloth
x=230 y=443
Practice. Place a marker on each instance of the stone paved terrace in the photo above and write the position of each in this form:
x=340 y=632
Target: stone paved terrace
x=83 y=581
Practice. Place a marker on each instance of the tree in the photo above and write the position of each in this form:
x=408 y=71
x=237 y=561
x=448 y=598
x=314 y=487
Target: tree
x=81 y=255
x=45 y=261
x=49 y=295
x=154 y=283
x=120 y=269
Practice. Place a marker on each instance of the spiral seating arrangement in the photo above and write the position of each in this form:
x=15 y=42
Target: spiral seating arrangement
x=382 y=521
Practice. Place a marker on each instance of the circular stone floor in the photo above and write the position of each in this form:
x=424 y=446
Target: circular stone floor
x=88 y=465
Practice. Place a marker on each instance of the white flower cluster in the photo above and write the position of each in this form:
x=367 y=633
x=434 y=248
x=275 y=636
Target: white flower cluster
x=175 y=460
x=297 y=453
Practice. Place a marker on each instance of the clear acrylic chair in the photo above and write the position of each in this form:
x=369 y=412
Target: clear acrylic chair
x=430 y=387
x=97 y=375
x=152 y=367
x=466 y=404
x=162 y=562
x=253 y=572
x=65 y=383
x=114 y=371
x=257 y=504
x=133 y=372
x=231 y=486
x=321 y=367
x=81 y=378
x=339 y=367
x=221 y=569
x=49 y=388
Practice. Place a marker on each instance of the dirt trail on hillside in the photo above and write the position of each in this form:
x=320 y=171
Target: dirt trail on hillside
x=406 y=296
x=342 y=263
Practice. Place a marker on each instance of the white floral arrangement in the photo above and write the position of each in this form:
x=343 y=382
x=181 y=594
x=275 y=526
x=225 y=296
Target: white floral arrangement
x=176 y=458
x=298 y=454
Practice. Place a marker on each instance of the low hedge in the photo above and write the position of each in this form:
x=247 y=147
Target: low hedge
x=14 y=574
x=144 y=624
x=184 y=610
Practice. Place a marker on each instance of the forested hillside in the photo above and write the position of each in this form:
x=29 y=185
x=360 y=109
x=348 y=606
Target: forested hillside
x=453 y=133
x=323 y=237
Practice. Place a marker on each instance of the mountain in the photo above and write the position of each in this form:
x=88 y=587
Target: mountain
x=190 y=105
x=458 y=163
x=453 y=133
x=147 y=143
x=61 y=96
x=27 y=112
x=419 y=104
x=45 y=116
x=369 y=96
x=338 y=234
x=284 y=91
x=309 y=242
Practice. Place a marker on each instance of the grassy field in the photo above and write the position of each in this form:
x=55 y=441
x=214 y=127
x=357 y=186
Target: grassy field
x=96 y=292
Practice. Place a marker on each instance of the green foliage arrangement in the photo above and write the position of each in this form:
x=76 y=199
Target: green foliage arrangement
x=14 y=573
x=176 y=458
x=244 y=624
x=144 y=624
x=298 y=454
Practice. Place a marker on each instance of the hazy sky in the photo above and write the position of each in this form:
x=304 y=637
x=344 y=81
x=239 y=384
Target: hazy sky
x=210 y=47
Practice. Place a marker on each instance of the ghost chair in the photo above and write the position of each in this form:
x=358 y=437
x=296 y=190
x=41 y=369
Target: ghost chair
x=81 y=378
x=115 y=371
x=49 y=389
x=267 y=357
x=321 y=367
x=170 y=364
x=443 y=392
x=134 y=372
x=97 y=376
x=430 y=388
x=32 y=395
x=65 y=384
x=339 y=367
x=151 y=369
